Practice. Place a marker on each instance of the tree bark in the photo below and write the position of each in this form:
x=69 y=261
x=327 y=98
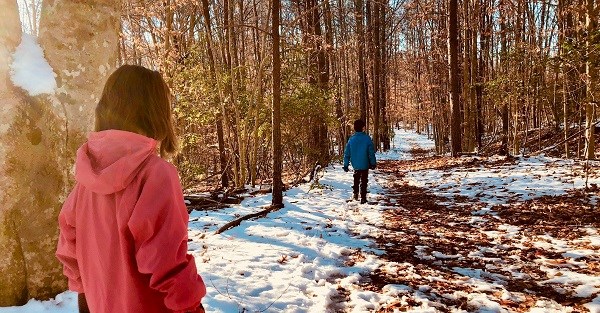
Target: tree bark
x=503 y=66
x=455 y=116
x=376 y=53
x=318 y=77
x=80 y=41
x=13 y=274
x=362 y=75
x=219 y=115
x=277 y=200
x=591 y=70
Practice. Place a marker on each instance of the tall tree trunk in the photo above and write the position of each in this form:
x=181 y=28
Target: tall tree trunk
x=13 y=271
x=383 y=81
x=259 y=46
x=455 y=116
x=234 y=89
x=561 y=42
x=503 y=66
x=480 y=11
x=591 y=70
x=335 y=67
x=376 y=53
x=345 y=68
x=213 y=76
x=277 y=200
x=231 y=93
x=43 y=133
x=362 y=74
x=318 y=77
x=466 y=81
x=473 y=75
x=518 y=106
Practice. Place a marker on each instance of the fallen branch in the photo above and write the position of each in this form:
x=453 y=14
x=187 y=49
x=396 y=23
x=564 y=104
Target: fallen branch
x=239 y=220
x=215 y=201
x=216 y=206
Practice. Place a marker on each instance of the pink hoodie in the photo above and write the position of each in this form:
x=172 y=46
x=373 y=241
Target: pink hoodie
x=123 y=229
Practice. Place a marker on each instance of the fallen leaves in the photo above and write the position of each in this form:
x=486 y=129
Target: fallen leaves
x=504 y=258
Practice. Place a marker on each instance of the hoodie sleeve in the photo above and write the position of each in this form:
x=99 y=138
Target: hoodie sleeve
x=347 y=154
x=66 y=250
x=159 y=227
x=371 y=148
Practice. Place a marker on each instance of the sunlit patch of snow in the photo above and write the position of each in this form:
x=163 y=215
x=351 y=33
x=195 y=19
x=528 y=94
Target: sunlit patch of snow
x=63 y=303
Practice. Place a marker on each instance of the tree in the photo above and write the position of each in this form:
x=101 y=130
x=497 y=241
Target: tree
x=213 y=76
x=591 y=71
x=80 y=41
x=455 y=116
x=318 y=77
x=13 y=285
x=277 y=200
x=362 y=76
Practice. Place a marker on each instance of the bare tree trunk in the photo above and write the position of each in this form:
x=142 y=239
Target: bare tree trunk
x=362 y=75
x=13 y=271
x=503 y=66
x=335 y=68
x=376 y=53
x=277 y=200
x=455 y=124
x=480 y=11
x=219 y=116
x=591 y=70
x=385 y=129
x=565 y=29
x=520 y=43
x=312 y=37
x=234 y=88
x=467 y=108
x=231 y=92
x=43 y=136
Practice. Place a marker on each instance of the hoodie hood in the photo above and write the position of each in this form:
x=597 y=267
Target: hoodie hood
x=111 y=159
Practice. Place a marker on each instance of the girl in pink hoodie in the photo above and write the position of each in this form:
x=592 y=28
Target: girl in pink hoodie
x=123 y=228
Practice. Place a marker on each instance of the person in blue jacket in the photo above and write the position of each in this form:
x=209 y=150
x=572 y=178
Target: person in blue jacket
x=361 y=153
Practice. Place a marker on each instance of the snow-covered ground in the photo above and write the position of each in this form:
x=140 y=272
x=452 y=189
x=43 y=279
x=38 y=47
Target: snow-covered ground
x=526 y=178
x=405 y=140
x=305 y=257
x=311 y=255
x=568 y=266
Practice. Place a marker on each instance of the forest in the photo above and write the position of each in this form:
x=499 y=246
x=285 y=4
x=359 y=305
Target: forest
x=481 y=76
x=482 y=114
x=487 y=76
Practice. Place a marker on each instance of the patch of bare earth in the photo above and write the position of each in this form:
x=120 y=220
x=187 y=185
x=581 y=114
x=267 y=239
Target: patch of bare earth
x=433 y=245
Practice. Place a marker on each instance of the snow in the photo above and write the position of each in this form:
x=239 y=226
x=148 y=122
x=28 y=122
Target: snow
x=313 y=255
x=594 y=306
x=404 y=140
x=528 y=178
x=299 y=255
x=30 y=69
x=65 y=302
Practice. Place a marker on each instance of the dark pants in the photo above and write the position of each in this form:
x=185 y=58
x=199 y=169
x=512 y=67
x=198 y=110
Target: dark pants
x=361 y=178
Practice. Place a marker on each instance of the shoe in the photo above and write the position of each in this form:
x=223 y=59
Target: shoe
x=355 y=197
x=363 y=201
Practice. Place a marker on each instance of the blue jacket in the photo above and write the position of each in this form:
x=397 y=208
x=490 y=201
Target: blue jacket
x=360 y=151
